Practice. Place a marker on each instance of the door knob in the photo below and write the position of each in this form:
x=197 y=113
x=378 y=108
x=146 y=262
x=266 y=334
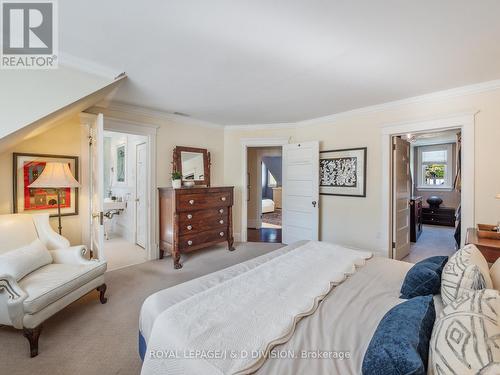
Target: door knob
x=99 y=215
x=314 y=203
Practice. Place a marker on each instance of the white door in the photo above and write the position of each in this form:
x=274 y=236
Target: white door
x=141 y=209
x=96 y=187
x=300 y=192
x=402 y=194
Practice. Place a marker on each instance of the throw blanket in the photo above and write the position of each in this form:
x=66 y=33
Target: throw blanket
x=232 y=327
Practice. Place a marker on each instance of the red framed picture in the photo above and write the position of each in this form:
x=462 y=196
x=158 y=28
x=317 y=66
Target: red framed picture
x=27 y=168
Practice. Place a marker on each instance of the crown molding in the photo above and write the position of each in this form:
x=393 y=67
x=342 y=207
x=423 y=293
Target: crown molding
x=68 y=60
x=120 y=110
x=427 y=98
x=282 y=125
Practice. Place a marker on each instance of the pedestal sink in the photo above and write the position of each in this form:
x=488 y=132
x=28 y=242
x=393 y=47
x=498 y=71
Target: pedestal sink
x=110 y=204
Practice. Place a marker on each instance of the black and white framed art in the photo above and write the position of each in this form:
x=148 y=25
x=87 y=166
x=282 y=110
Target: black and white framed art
x=343 y=172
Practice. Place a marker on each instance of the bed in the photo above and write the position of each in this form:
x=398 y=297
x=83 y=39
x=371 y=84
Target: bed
x=341 y=326
x=267 y=206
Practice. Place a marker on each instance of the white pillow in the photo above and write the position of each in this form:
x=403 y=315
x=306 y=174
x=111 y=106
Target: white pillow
x=20 y=262
x=466 y=338
x=495 y=274
x=466 y=270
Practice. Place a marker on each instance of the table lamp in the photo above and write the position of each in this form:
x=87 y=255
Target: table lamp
x=56 y=176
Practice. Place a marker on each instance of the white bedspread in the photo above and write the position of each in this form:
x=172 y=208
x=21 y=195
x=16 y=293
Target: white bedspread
x=229 y=328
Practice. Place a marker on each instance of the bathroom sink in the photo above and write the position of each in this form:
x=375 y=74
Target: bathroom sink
x=114 y=205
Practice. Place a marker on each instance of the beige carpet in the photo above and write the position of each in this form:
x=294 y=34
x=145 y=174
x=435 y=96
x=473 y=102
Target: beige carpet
x=120 y=253
x=90 y=338
x=434 y=240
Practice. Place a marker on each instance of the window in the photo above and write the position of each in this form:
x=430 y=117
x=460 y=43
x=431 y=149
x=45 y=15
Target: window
x=435 y=167
x=271 y=181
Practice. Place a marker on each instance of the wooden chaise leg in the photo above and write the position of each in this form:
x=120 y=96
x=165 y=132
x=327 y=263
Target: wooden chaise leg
x=102 y=289
x=33 y=334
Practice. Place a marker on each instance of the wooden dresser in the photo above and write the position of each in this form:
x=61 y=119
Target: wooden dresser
x=415 y=218
x=439 y=216
x=490 y=248
x=194 y=218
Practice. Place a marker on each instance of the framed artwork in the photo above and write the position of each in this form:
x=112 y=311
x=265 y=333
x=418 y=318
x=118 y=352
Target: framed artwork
x=27 y=168
x=343 y=172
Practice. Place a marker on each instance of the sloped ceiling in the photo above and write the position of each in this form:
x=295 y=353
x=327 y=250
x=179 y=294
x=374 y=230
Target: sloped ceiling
x=32 y=101
x=27 y=96
x=272 y=61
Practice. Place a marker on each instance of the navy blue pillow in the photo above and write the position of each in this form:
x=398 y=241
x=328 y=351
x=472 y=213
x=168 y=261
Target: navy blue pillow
x=424 y=278
x=400 y=345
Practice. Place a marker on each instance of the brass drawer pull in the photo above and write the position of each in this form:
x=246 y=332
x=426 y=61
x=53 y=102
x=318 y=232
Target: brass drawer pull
x=223 y=199
x=189 y=227
x=191 y=201
x=189 y=216
x=221 y=211
x=221 y=234
x=221 y=221
x=190 y=243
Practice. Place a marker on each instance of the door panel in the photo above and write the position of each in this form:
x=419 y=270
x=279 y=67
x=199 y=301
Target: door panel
x=401 y=198
x=141 y=195
x=300 y=192
x=96 y=187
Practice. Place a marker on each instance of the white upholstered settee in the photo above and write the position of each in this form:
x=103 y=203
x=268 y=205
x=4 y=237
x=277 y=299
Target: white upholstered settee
x=40 y=274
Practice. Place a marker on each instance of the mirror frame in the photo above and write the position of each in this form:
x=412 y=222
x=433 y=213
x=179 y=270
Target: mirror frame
x=177 y=162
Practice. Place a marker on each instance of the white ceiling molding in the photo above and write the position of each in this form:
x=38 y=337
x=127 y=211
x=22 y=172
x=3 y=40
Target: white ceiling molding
x=284 y=125
x=428 y=98
x=88 y=66
x=120 y=110
x=152 y=115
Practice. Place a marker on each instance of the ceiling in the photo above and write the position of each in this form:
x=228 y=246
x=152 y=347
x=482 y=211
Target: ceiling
x=274 y=61
x=433 y=138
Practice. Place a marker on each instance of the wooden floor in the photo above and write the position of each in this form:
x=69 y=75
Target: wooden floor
x=264 y=235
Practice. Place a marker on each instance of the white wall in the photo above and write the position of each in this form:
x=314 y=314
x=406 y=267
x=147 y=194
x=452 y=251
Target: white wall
x=357 y=221
x=175 y=131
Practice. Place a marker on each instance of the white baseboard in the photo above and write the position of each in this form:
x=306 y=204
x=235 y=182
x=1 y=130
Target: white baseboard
x=237 y=237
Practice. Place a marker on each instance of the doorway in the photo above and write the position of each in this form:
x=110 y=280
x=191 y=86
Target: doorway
x=264 y=197
x=124 y=198
x=463 y=121
x=426 y=194
x=100 y=183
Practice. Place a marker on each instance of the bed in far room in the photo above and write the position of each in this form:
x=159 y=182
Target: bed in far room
x=267 y=206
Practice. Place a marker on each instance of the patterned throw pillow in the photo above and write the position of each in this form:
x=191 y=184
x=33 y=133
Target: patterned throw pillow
x=466 y=271
x=495 y=274
x=466 y=338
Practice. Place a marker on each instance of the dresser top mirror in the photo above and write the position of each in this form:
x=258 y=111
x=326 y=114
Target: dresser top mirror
x=193 y=163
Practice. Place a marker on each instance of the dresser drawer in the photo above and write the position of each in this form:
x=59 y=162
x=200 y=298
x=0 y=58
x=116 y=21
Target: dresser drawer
x=191 y=202
x=187 y=226
x=210 y=214
x=195 y=241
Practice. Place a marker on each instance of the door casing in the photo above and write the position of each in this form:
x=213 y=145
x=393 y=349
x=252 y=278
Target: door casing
x=463 y=121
